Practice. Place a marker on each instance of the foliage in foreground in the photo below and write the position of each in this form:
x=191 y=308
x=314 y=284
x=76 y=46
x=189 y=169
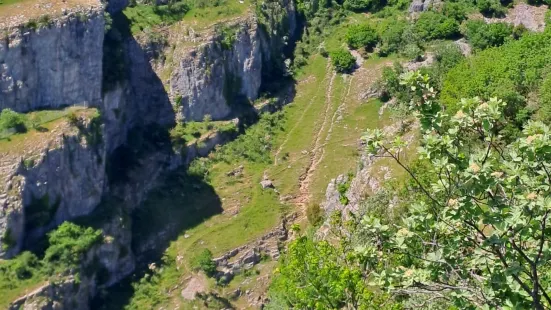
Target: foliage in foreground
x=320 y=275
x=481 y=230
x=475 y=235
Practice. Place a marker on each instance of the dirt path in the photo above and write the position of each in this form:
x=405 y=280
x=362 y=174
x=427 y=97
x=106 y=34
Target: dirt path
x=366 y=78
x=299 y=122
x=338 y=112
x=318 y=150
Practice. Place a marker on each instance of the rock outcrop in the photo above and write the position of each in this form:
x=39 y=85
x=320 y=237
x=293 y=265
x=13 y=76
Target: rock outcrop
x=529 y=16
x=369 y=178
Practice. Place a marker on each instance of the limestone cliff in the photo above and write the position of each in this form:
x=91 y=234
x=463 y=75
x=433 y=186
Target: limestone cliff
x=50 y=177
x=209 y=79
x=53 y=64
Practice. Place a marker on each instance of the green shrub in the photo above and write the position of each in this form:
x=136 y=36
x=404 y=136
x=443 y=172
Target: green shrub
x=481 y=35
x=22 y=267
x=455 y=10
x=69 y=242
x=342 y=60
x=314 y=214
x=447 y=56
x=491 y=8
x=342 y=188
x=44 y=20
x=412 y=51
x=358 y=36
x=519 y=31
x=391 y=37
x=390 y=85
x=11 y=120
x=204 y=262
x=361 y=5
x=199 y=168
x=25 y=265
x=432 y=25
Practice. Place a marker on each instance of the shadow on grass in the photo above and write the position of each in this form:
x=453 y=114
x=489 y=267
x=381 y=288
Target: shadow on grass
x=182 y=202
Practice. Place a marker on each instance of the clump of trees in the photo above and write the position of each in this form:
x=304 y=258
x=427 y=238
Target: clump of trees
x=482 y=35
x=342 y=60
x=491 y=8
x=512 y=72
x=361 y=36
x=432 y=25
x=362 y=5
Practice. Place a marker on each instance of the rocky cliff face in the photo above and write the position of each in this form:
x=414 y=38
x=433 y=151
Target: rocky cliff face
x=57 y=64
x=56 y=176
x=213 y=77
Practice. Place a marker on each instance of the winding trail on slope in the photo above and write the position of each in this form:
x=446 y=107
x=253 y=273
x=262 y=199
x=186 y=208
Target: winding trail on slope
x=368 y=77
x=305 y=184
x=304 y=180
x=299 y=121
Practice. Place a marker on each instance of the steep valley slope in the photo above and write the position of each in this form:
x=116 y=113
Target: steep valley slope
x=162 y=155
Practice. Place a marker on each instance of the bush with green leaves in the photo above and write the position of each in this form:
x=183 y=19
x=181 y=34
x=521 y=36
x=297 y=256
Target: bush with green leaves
x=361 y=36
x=491 y=8
x=412 y=52
x=446 y=56
x=432 y=25
x=11 y=120
x=482 y=35
x=204 y=262
x=342 y=60
x=480 y=234
x=389 y=83
x=362 y=5
x=391 y=36
x=69 y=242
x=456 y=10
